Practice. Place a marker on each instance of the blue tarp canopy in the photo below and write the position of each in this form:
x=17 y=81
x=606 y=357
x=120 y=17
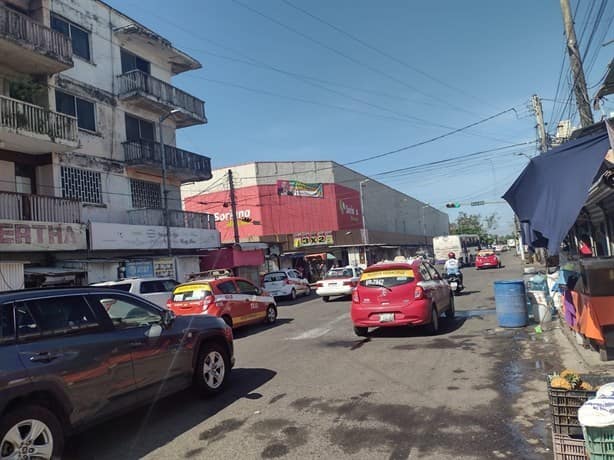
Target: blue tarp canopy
x=549 y=194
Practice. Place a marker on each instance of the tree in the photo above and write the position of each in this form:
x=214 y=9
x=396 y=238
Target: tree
x=475 y=224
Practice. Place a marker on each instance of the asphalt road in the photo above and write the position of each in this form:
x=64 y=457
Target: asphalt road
x=308 y=388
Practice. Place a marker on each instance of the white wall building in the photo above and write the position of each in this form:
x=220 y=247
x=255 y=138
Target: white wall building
x=82 y=89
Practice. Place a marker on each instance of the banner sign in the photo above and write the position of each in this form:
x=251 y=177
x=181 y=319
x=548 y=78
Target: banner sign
x=297 y=188
x=19 y=235
x=164 y=268
x=140 y=269
x=302 y=240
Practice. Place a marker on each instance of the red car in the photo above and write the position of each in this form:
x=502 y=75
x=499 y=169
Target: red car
x=487 y=259
x=400 y=294
x=236 y=300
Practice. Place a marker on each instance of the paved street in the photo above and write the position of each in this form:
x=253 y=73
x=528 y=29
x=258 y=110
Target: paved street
x=309 y=388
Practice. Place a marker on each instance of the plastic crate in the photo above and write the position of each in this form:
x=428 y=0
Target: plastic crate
x=564 y=405
x=599 y=442
x=568 y=447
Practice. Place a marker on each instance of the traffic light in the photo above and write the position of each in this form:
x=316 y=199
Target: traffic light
x=453 y=205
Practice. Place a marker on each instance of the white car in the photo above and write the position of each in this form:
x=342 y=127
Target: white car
x=156 y=290
x=286 y=283
x=338 y=282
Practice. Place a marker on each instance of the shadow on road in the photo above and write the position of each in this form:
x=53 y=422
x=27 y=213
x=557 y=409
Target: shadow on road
x=245 y=331
x=283 y=302
x=446 y=326
x=141 y=431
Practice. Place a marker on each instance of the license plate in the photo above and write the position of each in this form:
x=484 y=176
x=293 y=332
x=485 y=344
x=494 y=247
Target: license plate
x=386 y=317
x=453 y=285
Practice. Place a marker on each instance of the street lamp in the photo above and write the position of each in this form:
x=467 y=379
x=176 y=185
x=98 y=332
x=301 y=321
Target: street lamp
x=365 y=235
x=164 y=189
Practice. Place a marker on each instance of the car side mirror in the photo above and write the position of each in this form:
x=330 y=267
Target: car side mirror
x=154 y=331
x=167 y=318
x=258 y=291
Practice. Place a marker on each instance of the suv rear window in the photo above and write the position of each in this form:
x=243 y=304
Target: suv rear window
x=191 y=293
x=150 y=287
x=339 y=273
x=120 y=286
x=271 y=277
x=387 y=278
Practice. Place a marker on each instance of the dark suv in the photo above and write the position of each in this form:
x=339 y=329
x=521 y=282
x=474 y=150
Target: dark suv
x=71 y=357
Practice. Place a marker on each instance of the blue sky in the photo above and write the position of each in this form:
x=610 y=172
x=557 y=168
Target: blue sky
x=474 y=59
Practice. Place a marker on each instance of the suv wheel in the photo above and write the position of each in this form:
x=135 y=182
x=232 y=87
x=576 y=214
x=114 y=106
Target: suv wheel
x=212 y=369
x=31 y=432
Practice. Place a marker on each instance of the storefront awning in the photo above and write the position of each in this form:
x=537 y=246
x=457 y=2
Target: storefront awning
x=550 y=192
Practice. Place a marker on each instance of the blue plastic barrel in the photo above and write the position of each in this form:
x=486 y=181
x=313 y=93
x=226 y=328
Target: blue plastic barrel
x=510 y=303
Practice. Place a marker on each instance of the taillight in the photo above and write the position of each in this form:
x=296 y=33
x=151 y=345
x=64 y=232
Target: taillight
x=356 y=297
x=228 y=333
x=288 y=281
x=319 y=284
x=347 y=283
x=169 y=302
x=419 y=293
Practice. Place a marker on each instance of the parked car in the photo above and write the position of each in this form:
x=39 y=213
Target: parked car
x=338 y=282
x=77 y=356
x=285 y=283
x=236 y=300
x=487 y=259
x=156 y=290
x=400 y=294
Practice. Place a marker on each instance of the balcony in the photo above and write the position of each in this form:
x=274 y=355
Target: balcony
x=150 y=93
x=29 y=128
x=176 y=218
x=30 y=47
x=182 y=165
x=39 y=208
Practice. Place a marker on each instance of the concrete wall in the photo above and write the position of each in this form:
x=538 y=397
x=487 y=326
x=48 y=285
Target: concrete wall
x=7 y=176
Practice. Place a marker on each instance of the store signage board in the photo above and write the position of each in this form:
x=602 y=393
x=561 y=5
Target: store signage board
x=105 y=236
x=302 y=240
x=19 y=235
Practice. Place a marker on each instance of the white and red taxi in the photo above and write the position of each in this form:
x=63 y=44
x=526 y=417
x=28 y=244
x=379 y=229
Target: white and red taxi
x=236 y=300
x=339 y=281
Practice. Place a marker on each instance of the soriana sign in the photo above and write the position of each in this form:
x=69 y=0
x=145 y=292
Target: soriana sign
x=19 y=235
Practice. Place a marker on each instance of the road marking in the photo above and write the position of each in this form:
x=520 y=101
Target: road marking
x=319 y=331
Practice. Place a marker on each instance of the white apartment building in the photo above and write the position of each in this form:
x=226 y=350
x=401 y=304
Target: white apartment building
x=82 y=91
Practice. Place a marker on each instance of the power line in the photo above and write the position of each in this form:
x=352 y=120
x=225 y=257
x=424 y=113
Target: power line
x=346 y=56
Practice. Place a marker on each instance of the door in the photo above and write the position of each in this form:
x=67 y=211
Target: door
x=429 y=286
x=156 y=352
x=441 y=286
x=232 y=302
x=255 y=306
x=299 y=283
x=63 y=340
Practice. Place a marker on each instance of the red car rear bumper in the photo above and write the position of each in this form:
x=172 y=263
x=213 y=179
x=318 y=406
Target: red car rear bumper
x=416 y=313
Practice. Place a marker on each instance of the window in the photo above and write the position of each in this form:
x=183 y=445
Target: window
x=433 y=272
x=7 y=324
x=339 y=273
x=121 y=287
x=247 y=288
x=272 y=277
x=150 y=287
x=137 y=129
x=387 y=278
x=80 y=108
x=81 y=184
x=127 y=313
x=199 y=292
x=52 y=316
x=133 y=62
x=426 y=276
x=145 y=194
x=227 y=287
x=80 y=37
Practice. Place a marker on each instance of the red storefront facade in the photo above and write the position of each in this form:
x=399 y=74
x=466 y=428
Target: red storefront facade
x=266 y=212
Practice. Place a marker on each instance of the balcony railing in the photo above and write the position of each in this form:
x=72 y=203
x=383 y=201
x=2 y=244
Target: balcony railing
x=187 y=165
x=139 y=82
x=39 y=208
x=176 y=218
x=19 y=27
x=22 y=116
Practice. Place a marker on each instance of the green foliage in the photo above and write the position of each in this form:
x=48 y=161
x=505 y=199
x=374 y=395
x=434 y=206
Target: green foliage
x=475 y=224
x=27 y=90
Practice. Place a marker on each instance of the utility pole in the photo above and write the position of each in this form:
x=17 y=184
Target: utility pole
x=165 y=211
x=233 y=206
x=580 y=91
x=365 y=234
x=541 y=127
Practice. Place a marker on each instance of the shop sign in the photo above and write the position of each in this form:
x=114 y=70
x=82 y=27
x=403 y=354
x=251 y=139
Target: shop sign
x=302 y=240
x=19 y=235
x=164 y=268
x=297 y=188
x=348 y=209
x=142 y=269
x=227 y=216
x=147 y=237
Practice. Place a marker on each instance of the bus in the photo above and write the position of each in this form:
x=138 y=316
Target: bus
x=465 y=247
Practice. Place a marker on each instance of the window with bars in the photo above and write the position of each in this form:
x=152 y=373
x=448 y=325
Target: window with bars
x=145 y=194
x=81 y=184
